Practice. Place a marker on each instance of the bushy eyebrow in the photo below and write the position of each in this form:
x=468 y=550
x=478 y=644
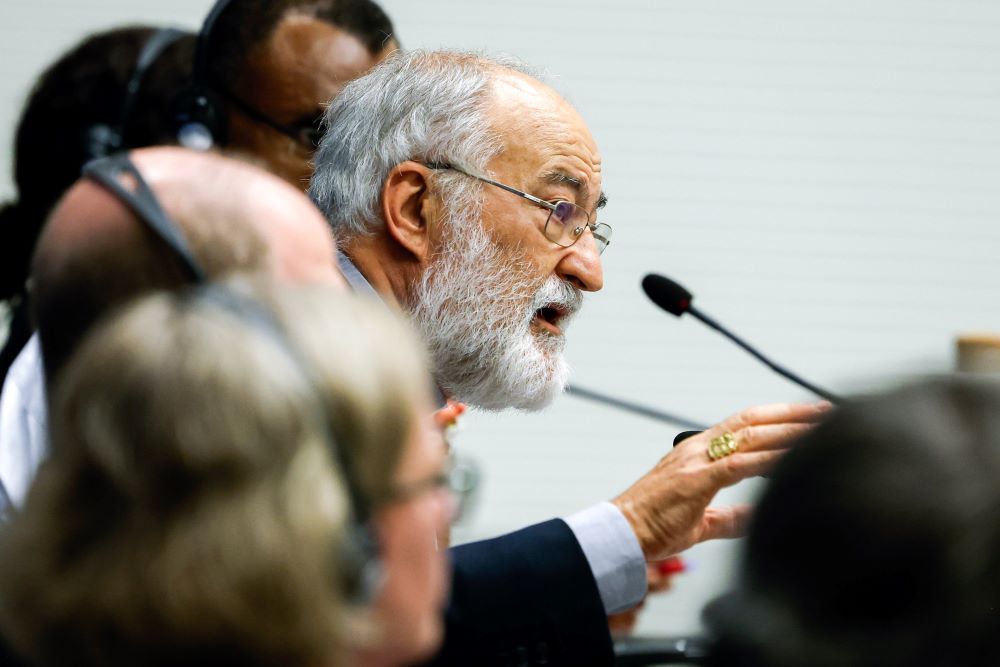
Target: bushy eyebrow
x=578 y=186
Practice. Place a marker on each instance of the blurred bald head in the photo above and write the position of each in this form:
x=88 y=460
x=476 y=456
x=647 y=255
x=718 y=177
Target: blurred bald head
x=94 y=253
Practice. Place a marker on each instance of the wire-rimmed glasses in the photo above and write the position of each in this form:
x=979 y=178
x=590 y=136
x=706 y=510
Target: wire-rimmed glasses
x=566 y=222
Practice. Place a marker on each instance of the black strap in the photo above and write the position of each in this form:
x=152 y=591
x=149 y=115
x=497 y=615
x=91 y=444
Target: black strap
x=200 y=70
x=154 y=46
x=256 y=315
x=108 y=172
x=360 y=553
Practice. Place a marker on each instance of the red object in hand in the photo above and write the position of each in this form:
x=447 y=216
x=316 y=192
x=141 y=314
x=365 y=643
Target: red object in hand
x=671 y=566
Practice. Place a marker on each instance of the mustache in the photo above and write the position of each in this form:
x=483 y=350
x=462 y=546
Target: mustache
x=560 y=293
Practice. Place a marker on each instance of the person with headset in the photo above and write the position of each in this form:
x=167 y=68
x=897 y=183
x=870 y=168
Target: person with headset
x=404 y=494
x=254 y=80
x=93 y=257
x=106 y=93
x=263 y=71
x=225 y=491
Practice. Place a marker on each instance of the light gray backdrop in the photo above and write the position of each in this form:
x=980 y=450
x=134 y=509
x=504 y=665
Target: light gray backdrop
x=824 y=175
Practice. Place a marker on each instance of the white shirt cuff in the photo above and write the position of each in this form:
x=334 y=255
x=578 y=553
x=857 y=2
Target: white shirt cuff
x=614 y=555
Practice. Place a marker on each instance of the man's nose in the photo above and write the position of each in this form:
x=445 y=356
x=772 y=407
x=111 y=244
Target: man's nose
x=581 y=265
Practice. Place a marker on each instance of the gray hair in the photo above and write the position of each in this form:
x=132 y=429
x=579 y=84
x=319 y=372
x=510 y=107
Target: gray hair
x=430 y=106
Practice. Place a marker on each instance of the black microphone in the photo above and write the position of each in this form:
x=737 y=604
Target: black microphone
x=676 y=300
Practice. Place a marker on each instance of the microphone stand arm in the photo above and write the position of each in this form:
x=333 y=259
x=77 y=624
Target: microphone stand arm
x=634 y=408
x=780 y=370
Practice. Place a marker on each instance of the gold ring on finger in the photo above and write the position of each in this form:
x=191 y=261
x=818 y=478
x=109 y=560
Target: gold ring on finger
x=722 y=446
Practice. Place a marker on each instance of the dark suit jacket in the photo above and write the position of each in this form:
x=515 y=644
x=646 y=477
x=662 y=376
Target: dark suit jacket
x=527 y=598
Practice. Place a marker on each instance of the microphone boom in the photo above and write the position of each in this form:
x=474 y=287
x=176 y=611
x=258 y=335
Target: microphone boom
x=673 y=298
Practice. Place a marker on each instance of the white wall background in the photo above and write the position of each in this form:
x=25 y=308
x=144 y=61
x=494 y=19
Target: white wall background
x=825 y=175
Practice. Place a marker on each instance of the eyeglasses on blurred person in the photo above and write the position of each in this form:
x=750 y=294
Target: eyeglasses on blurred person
x=194 y=509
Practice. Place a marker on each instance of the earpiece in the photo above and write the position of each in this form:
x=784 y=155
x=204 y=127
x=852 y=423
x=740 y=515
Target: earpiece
x=199 y=118
x=102 y=140
x=199 y=124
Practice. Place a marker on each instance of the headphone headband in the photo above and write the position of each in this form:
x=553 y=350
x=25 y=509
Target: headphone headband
x=359 y=555
x=108 y=171
x=262 y=319
x=199 y=73
x=154 y=46
x=104 y=139
x=198 y=121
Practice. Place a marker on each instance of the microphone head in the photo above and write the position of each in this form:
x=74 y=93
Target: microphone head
x=667 y=294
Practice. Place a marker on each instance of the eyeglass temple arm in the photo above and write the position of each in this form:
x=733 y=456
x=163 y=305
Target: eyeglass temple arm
x=484 y=179
x=541 y=202
x=256 y=114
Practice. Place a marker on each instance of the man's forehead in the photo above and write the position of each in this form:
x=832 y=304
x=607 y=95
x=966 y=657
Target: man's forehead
x=545 y=135
x=508 y=84
x=528 y=104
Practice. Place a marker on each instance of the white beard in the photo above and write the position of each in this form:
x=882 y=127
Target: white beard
x=474 y=308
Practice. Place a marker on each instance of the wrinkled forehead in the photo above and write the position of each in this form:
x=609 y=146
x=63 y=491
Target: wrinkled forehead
x=541 y=131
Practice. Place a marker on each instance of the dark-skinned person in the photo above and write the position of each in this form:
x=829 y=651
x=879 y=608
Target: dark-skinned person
x=268 y=69
x=466 y=192
x=280 y=62
x=220 y=483
x=93 y=100
x=876 y=540
x=96 y=252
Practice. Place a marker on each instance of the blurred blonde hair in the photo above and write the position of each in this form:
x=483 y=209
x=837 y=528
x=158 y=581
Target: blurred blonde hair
x=192 y=511
x=372 y=372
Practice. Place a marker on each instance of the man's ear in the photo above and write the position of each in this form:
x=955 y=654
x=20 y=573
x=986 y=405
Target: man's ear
x=407 y=206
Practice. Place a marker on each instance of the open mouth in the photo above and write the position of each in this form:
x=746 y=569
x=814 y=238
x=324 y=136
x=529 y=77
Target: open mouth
x=548 y=318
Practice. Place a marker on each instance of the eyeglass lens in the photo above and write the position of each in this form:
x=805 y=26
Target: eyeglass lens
x=567 y=223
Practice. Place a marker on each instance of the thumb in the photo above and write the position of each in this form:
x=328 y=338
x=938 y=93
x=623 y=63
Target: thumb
x=725 y=522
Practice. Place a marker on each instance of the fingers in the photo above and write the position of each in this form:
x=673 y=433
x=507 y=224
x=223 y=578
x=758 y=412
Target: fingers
x=779 y=413
x=769 y=437
x=769 y=426
x=742 y=465
x=667 y=507
x=725 y=522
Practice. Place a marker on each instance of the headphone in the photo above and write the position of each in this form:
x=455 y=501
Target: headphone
x=358 y=559
x=103 y=139
x=360 y=567
x=199 y=119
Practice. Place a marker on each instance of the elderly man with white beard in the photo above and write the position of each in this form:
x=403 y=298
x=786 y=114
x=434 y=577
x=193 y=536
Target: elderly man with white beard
x=466 y=192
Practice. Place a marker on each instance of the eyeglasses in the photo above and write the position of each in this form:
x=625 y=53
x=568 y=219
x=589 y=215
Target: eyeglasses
x=401 y=493
x=566 y=222
x=460 y=478
x=306 y=134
